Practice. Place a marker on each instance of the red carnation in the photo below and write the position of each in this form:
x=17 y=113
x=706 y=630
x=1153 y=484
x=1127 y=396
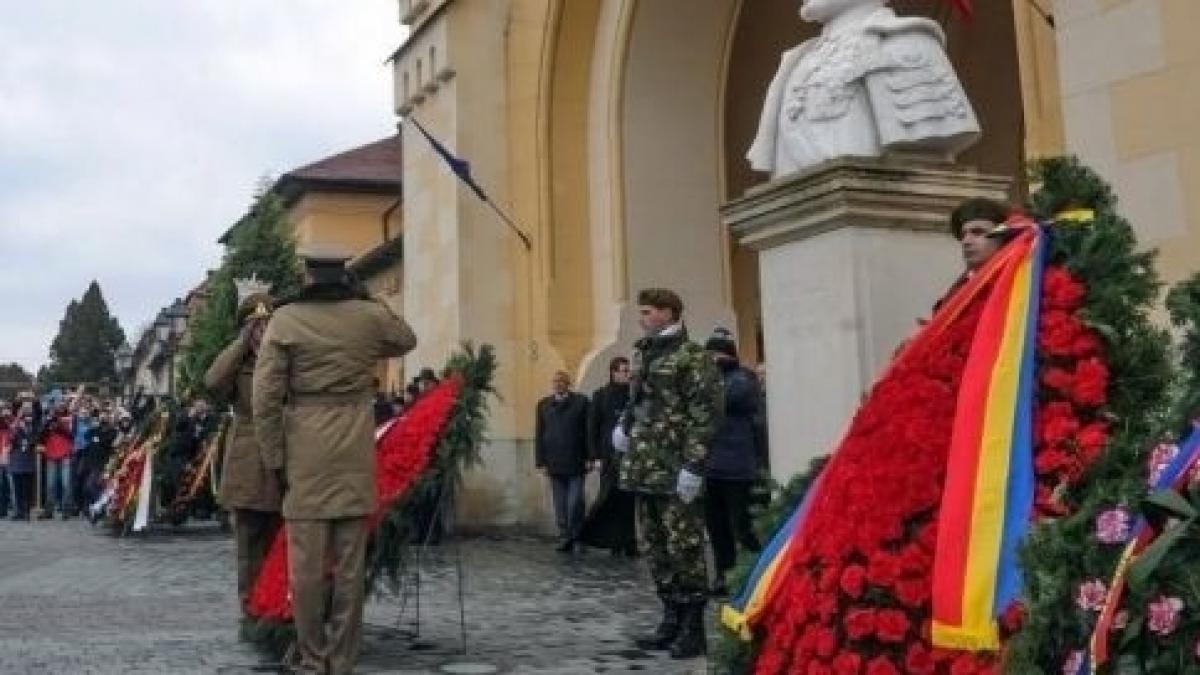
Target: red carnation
x=847 y=663
x=1092 y=437
x=859 y=623
x=769 y=661
x=827 y=606
x=808 y=640
x=826 y=643
x=891 y=625
x=1057 y=422
x=881 y=665
x=1091 y=382
x=913 y=593
x=919 y=661
x=1059 y=379
x=1060 y=290
x=818 y=668
x=963 y=665
x=1058 y=332
x=829 y=578
x=883 y=569
x=1051 y=461
x=853 y=581
x=913 y=559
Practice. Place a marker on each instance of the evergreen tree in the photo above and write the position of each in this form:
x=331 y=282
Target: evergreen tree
x=261 y=245
x=13 y=380
x=87 y=342
x=1184 y=304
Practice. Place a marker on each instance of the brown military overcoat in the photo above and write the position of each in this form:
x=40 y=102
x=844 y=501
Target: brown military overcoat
x=246 y=482
x=313 y=385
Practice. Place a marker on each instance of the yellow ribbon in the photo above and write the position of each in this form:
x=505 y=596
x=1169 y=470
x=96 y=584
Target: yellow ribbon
x=1078 y=216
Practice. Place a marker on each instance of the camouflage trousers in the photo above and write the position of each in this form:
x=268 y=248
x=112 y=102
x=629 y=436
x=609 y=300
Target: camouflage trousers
x=674 y=537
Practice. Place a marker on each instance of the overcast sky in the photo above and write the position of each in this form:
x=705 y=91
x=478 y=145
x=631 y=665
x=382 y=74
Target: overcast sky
x=133 y=132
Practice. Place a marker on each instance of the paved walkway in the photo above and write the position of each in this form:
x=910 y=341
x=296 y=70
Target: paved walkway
x=75 y=600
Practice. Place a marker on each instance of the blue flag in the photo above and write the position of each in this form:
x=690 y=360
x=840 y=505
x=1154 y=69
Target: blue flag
x=462 y=169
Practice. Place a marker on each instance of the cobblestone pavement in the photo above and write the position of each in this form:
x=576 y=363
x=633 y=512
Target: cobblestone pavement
x=75 y=600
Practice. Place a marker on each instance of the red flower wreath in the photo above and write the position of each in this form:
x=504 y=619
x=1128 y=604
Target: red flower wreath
x=403 y=454
x=863 y=570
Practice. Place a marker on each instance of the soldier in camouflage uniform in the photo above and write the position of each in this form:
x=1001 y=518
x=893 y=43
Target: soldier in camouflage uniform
x=673 y=412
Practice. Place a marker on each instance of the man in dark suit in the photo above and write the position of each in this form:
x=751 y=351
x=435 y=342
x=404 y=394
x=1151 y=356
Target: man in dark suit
x=562 y=455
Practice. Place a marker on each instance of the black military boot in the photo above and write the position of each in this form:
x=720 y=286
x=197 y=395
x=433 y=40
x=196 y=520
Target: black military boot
x=667 y=631
x=691 y=642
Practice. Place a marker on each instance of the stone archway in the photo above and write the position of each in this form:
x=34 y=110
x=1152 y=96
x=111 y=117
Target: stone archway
x=654 y=148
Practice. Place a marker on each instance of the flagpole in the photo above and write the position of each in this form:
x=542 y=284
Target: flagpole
x=462 y=170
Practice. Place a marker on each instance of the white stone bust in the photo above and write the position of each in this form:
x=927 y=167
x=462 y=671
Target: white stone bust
x=870 y=83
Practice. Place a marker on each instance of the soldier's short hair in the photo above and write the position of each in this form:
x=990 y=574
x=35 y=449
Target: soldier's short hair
x=977 y=208
x=662 y=298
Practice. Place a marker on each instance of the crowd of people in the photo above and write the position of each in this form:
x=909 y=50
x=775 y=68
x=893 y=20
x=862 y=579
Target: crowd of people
x=56 y=451
x=53 y=452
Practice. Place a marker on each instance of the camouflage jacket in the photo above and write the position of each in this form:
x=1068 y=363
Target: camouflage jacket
x=674 y=409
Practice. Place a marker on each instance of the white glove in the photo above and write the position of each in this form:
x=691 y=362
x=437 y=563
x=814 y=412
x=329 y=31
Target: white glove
x=688 y=486
x=620 y=441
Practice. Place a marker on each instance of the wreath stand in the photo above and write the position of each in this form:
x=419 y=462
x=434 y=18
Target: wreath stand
x=409 y=594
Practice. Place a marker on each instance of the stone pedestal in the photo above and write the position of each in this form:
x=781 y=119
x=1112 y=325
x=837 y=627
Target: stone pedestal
x=851 y=254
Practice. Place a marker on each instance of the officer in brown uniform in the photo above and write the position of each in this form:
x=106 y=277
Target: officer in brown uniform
x=312 y=408
x=248 y=488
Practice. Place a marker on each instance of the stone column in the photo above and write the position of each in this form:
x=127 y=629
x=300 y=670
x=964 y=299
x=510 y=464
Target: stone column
x=851 y=254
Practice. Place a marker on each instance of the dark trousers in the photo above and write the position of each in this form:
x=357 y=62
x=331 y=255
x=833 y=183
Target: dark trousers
x=727 y=515
x=6 y=496
x=82 y=482
x=254 y=531
x=568 y=505
x=23 y=493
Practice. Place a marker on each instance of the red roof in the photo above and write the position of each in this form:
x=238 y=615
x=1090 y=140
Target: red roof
x=378 y=162
x=374 y=168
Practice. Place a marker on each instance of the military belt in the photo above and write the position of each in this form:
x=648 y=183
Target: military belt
x=301 y=398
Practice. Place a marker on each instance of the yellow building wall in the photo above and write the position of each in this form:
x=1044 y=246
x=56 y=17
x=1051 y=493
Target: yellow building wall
x=388 y=285
x=350 y=221
x=1130 y=71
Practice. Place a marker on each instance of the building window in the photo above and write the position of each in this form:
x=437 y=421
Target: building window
x=406 y=88
x=420 y=77
x=432 y=61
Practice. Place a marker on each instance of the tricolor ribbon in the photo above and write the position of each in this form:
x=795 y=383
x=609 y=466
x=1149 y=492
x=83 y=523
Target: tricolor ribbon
x=988 y=495
x=744 y=610
x=1142 y=536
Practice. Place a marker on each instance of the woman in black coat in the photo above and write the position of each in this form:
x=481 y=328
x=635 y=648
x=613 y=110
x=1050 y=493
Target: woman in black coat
x=610 y=523
x=734 y=461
